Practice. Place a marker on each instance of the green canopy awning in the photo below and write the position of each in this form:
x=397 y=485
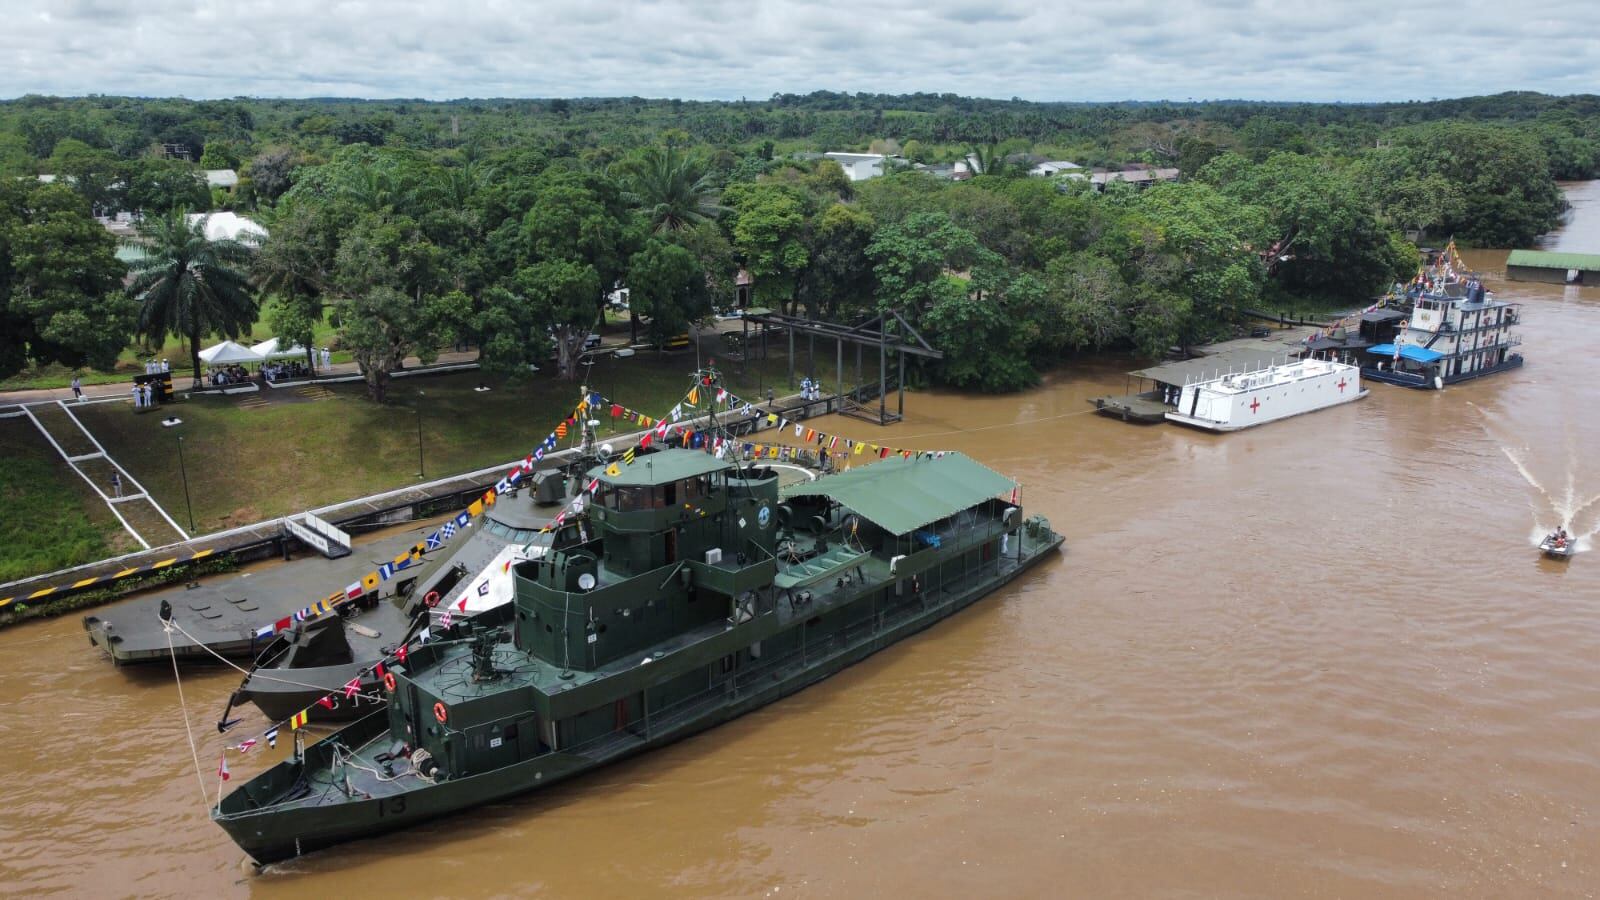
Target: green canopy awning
x=811 y=571
x=1543 y=259
x=900 y=494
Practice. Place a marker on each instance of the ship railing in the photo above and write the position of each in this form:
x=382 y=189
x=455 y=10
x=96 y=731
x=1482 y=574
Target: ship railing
x=1486 y=326
x=755 y=675
x=937 y=592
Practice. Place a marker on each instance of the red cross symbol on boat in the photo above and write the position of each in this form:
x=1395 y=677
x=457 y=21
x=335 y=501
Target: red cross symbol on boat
x=1255 y=405
x=1341 y=385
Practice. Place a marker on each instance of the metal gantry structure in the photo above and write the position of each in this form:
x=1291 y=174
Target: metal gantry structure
x=889 y=332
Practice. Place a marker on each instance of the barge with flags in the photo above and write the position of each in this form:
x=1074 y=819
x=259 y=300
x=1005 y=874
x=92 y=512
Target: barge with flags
x=236 y=617
x=701 y=594
x=312 y=659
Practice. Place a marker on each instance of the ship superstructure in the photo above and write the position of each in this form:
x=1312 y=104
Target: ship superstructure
x=1242 y=400
x=700 y=594
x=1449 y=338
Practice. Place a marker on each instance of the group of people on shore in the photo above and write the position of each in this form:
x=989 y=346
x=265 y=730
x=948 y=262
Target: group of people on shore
x=219 y=376
x=279 y=371
x=144 y=396
x=228 y=375
x=810 y=390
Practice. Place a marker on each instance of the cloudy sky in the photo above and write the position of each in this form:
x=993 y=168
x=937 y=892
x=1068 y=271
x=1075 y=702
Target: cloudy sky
x=722 y=49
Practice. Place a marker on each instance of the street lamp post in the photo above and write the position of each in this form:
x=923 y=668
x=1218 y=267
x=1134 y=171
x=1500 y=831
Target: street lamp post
x=184 y=471
x=421 y=472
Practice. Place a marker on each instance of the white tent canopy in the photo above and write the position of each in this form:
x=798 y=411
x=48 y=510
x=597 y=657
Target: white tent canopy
x=228 y=353
x=268 y=349
x=230 y=226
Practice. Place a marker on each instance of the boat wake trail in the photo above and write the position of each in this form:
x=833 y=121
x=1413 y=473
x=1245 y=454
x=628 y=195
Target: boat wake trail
x=1580 y=517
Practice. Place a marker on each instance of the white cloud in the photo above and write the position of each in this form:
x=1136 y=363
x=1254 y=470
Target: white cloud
x=719 y=49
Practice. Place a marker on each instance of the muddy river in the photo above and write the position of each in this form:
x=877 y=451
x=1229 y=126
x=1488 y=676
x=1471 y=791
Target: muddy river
x=1317 y=658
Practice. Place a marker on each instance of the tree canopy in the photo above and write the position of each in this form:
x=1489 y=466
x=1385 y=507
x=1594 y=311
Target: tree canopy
x=507 y=223
x=59 y=281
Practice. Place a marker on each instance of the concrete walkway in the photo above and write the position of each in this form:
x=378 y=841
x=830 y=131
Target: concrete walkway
x=123 y=390
x=133 y=506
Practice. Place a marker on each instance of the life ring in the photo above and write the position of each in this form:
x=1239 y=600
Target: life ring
x=388 y=681
x=440 y=713
x=432 y=599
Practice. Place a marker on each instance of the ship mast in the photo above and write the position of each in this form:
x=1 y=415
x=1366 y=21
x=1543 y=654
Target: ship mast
x=709 y=380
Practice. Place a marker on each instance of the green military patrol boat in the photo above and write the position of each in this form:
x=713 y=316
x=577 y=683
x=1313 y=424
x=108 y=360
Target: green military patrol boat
x=702 y=595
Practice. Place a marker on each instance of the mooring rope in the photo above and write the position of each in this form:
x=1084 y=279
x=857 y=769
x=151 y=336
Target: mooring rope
x=1081 y=412
x=200 y=779
x=258 y=672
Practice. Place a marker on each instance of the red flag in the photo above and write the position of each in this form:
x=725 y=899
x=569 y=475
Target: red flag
x=325 y=701
x=283 y=624
x=352 y=687
x=401 y=653
x=883 y=453
x=616 y=410
x=378 y=671
x=222 y=770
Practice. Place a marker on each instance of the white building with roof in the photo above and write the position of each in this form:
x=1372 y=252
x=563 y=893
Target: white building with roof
x=860 y=166
x=1051 y=168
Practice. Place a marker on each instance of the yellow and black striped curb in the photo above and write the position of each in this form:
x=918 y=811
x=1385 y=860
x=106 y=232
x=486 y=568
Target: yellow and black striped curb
x=63 y=589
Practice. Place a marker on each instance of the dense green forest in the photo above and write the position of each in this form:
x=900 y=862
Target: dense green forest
x=505 y=223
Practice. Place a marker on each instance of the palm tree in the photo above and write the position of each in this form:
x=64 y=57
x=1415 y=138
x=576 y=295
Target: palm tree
x=670 y=187
x=987 y=159
x=189 y=285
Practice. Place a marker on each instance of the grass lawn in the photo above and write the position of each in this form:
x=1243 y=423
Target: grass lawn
x=257 y=456
x=52 y=519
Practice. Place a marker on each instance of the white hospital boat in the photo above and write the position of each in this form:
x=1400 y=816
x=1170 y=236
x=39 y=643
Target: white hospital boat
x=1244 y=399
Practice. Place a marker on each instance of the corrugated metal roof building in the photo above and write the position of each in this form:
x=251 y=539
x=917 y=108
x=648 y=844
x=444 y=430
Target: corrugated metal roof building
x=1554 y=268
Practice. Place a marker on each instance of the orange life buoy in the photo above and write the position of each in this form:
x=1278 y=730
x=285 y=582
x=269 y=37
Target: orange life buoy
x=440 y=713
x=388 y=681
x=432 y=599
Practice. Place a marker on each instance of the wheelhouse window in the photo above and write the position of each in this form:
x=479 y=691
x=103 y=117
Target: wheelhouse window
x=628 y=499
x=515 y=535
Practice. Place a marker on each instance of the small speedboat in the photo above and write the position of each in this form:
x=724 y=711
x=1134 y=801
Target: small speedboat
x=1557 y=546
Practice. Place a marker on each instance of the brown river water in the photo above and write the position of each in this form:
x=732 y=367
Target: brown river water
x=1317 y=658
